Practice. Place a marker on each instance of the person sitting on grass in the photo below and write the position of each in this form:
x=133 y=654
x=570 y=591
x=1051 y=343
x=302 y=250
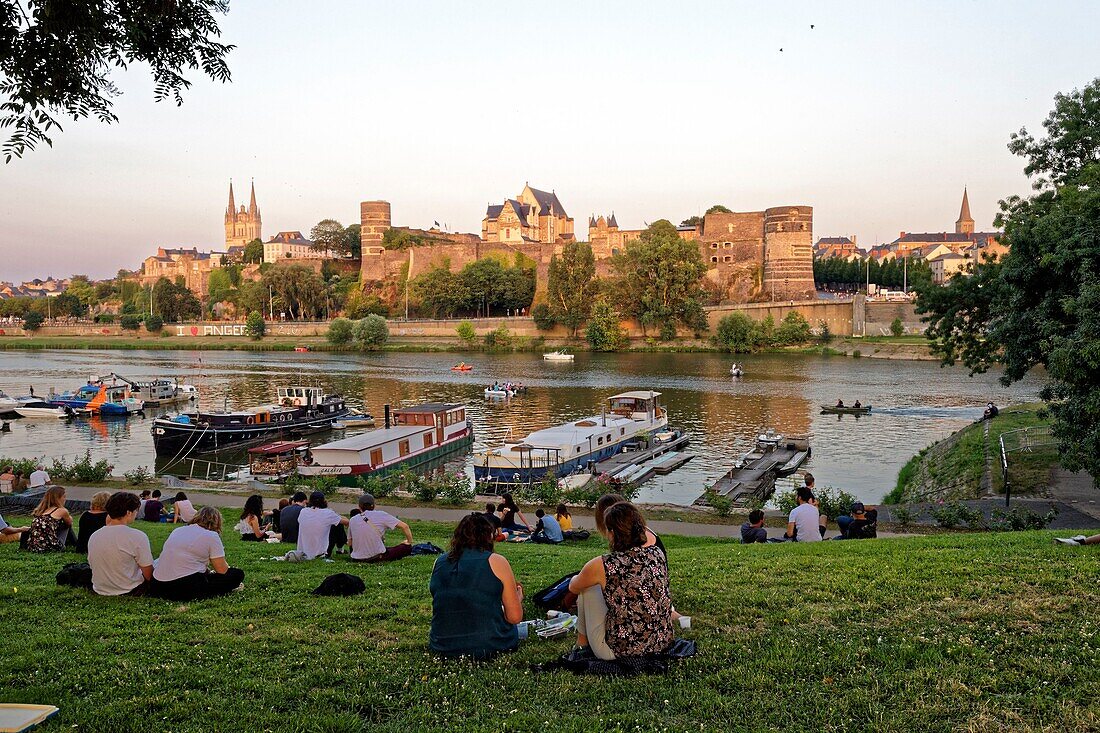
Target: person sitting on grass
x=192 y=564
x=547 y=529
x=367 y=530
x=51 y=523
x=604 y=503
x=39 y=478
x=859 y=525
x=565 y=519
x=804 y=523
x=476 y=601
x=154 y=508
x=491 y=515
x=1079 y=540
x=288 y=517
x=320 y=529
x=753 y=530
x=624 y=606
x=144 y=498
x=92 y=520
x=119 y=555
x=9 y=533
x=509 y=510
x=276 y=515
x=7 y=481
x=250 y=525
x=183 y=510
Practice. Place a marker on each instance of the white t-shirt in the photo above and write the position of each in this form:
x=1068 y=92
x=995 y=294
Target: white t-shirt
x=366 y=532
x=313 y=529
x=115 y=553
x=188 y=550
x=39 y=478
x=3 y=525
x=806 y=518
x=185 y=510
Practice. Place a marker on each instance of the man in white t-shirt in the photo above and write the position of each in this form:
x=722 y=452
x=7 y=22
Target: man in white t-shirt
x=120 y=556
x=320 y=529
x=367 y=532
x=38 y=478
x=804 y=523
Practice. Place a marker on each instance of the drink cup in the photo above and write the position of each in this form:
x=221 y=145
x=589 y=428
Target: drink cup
x=685 y=622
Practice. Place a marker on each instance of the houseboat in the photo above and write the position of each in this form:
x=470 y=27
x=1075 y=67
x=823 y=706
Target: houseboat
x=160 y=392
x=413 y=437
x=573 y=446
x=297 y=409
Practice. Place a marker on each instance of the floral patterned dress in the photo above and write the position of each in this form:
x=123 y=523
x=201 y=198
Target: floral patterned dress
x=639 y=606
x=43 y=534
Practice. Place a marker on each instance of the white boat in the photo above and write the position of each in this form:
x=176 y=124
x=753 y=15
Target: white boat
x=499 y=393
x=8 y=403
x=39 y=409
x=736 y=370
x=190 y=391
x=160 y=392
x=558 y=356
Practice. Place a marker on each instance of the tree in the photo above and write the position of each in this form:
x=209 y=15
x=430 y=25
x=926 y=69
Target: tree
x=570 y=285
x=692 y=221
x=153 y=323
x=299 y=289
x=718 y=209
x=340 y=332
x=794 y=330
x=737 y=333
x=329 y=235
x=372 y=332
x=173 y=302
x=658 y=279
x=68 y=304
x=399 y=239
x=439 y=293
x=253 y=252
x=896 y=328
x=58 y=58
x=1040 y=306
x=354 y=241
x=32 y=321
x=540 y=313
x=466 y=333
x=604 y=332
x=255 y=326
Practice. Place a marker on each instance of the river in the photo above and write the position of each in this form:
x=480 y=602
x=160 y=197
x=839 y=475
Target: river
x=915 y=403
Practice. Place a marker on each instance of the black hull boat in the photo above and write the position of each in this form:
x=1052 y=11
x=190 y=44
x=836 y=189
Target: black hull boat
x=299 y=409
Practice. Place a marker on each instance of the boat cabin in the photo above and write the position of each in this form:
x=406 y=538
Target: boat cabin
x=413 y=430
x=299 y=396
x=640 y=405
x=278 y=458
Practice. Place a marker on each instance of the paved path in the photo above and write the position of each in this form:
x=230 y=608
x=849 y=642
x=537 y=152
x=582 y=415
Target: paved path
x=1076 y=489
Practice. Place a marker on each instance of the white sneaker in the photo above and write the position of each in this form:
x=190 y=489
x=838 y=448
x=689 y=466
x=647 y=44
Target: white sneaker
x=1068 y=540
x=239 y=587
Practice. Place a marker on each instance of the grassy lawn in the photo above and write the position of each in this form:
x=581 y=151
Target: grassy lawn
x=978 y=633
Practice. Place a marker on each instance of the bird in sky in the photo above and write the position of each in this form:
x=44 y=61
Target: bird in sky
x=811 y=26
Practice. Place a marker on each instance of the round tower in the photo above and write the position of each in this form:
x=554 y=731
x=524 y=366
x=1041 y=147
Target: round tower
x=788 y=253
x=374 y=221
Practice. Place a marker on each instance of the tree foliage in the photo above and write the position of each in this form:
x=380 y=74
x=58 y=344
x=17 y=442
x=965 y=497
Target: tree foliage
x=174 y=302
x=736 y=333
x=32 y=321
x=372 y=332
x=692 y=221
x=58 y=58
x=719 y=209
x=853 y=274
x=253 y=252
x=329 y=235
x=255 y=326
x=340 y=332
x=298 y=291
x=604 y=332
x=571 y=285
x=483 y=287
x=1040 y=306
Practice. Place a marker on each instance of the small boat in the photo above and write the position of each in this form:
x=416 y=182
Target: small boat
x=736 y=370
x=356 y=421
x=39 y=409
x=8 y=403
x=190 y=391
x=302 y=349
x=560 y=355
x=834 y=410
x=160 y=392
x=461 y=367
x=498 y=393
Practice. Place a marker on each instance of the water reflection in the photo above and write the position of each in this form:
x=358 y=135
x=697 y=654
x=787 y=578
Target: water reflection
x=915 y=402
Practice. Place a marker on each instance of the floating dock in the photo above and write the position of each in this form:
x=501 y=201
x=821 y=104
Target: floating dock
x=753 y=478
x=638 y=466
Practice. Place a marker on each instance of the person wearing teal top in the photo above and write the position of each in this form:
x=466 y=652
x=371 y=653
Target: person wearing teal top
x=476 y=601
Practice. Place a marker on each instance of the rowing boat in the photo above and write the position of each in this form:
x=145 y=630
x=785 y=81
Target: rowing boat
x=834 y=410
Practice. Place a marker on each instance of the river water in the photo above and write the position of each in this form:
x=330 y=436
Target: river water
x=916 y=403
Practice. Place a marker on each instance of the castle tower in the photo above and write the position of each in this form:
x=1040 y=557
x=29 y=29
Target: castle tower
x=965 y=224
x=374 y=221
x=243 y=225
x=788 y=253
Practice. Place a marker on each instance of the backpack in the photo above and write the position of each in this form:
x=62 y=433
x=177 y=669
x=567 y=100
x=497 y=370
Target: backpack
x=75 y=574
x=576 y=534
x=340 y=584
x=556 y=596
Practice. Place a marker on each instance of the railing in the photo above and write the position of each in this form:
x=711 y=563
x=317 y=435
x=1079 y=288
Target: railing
x=205 y=470
x=1023 y=440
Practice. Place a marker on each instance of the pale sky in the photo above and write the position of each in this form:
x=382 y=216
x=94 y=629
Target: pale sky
x=877 y=117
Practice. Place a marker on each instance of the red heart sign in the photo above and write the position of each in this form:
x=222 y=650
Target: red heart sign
x=194 y=330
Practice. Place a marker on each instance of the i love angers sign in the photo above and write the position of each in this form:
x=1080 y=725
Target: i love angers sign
x=228 y=329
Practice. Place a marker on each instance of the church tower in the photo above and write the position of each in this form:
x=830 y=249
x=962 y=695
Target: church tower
x=965 y=224
x=242 y=226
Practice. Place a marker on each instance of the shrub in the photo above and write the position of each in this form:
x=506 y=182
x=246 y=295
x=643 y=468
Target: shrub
x=104 y=318
x=425 y=491
x=499 y=338
x=832 y=502
x=722 y=505
x=82 y=469
x=153 y=323
x=824 y=335
x=794 y=330
x=856 y=354
x=954 y=514
x=255 y=326
x=24 y=466
x=32 y=321
x=372 y=332
x=604 y=333
x=668 y=330
x=325 y=484
x=377 y=486
x=1019 y=519
x=340 y=332
x=736 y=333
x=138 y=476
x=455 y=488
x=902 y=516
x=896 y=328
x=544 y=321
x=545 y=493
x=130 y=322
x=466 y=333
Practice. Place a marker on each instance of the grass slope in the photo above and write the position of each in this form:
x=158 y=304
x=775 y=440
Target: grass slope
x=978 y=633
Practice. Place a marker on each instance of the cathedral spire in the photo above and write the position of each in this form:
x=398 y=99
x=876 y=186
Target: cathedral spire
x=232 y=205
x=252 y=203
x=965 y=224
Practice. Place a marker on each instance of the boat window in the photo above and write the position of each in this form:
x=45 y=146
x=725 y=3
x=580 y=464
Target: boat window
x=622 y=431
x=461 y=415
x=376 y=457
x=599 y=441
x=579 y=448
x=403 y=447
x=427 y=440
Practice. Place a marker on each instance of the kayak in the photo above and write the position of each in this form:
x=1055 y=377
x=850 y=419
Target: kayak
x=464 y=367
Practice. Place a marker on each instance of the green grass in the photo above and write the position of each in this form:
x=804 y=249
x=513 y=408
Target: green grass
x=991 y=633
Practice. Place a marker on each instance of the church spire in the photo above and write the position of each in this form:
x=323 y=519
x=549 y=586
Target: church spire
x=965 y=224
x=252 y=203
x=232 y=205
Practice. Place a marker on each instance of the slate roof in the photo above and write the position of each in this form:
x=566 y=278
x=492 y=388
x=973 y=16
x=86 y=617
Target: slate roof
x=549 y=200
x=289 y=238
x=834 y=240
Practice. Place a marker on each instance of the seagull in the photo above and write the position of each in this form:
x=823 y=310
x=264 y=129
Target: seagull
x=780 y=50
x=811 y=26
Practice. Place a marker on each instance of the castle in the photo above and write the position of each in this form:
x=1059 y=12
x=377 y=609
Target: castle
x=750 y=256
x=241 y=227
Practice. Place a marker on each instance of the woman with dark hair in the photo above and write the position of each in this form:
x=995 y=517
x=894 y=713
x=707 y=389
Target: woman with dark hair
x=283 y=504
x=476 y=601
x=565 y=519
x=624 y=608
x=93 y=519
x=252 y=515
x=184 y=509
x=509 y=510
x=320 y=529
x=608 y=500
x=51 y=522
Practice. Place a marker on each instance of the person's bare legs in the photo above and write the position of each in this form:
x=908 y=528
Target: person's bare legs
x=591 y=617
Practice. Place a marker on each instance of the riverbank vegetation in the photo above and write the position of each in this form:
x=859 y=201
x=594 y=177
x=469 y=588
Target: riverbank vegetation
x=902 y=635
x=740 y=334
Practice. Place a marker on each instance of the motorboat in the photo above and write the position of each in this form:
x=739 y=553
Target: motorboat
x=8 y=403
x=411 y=436
x=737 y=370
x=500 y=393
x=461 y=367
x=40 y=409
x=99 y=398
x=573 y=446
x=160 y=392
x=559 y=355
x=302 y=349
x=835 y=410
x=297 y=410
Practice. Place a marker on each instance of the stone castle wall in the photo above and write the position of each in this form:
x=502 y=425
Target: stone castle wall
x=788 y=253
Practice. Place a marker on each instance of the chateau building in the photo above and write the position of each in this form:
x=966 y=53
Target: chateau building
x=760 y=255
x=290 y=246
x=533 y=216
x=242 y=226
x=190 y=264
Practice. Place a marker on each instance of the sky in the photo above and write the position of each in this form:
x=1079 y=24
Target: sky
x=877 y=116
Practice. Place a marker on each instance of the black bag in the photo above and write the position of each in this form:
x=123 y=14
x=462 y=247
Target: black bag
x=576 y=534
x=425 y=548
x=75 y=574
x=556 y=596
x=340 y=584
x=582 y=661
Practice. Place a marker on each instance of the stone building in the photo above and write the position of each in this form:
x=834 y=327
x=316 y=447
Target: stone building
x=760 y=255
x=533 y=216
x=241 y=227
x=190 y=264
x=842 y=247
x=291 y=246
x=962 y=240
